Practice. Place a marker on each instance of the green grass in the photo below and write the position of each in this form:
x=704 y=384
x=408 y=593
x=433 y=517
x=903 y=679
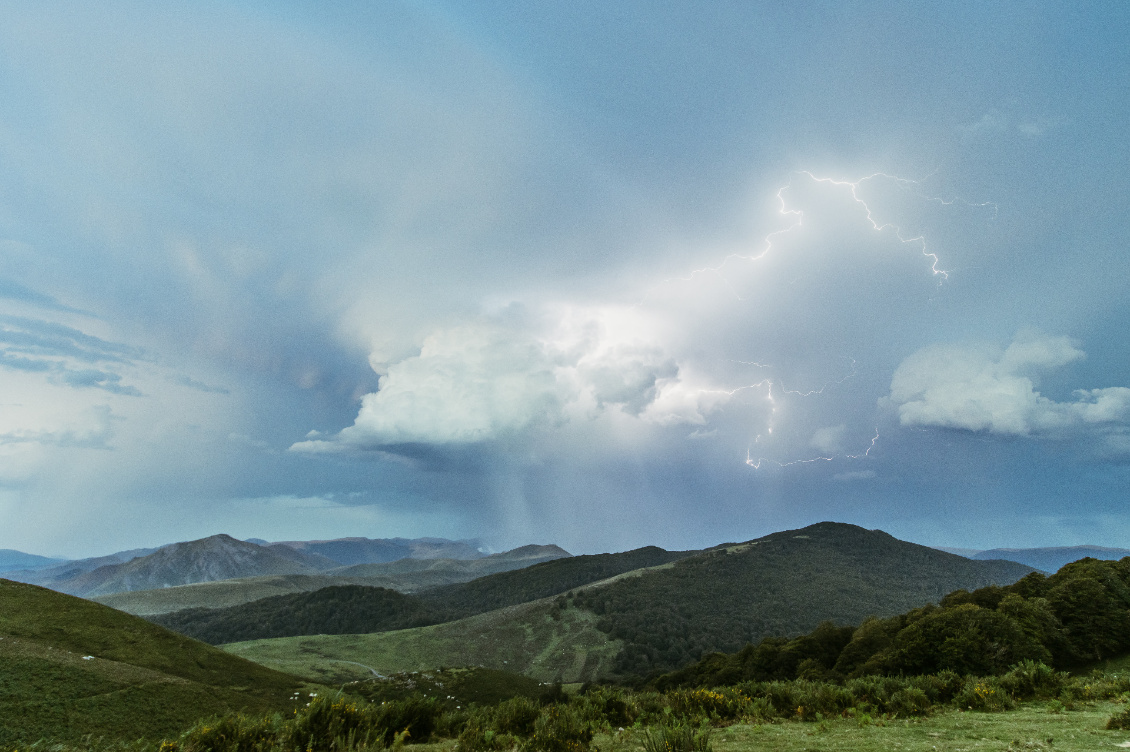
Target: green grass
x=70 y=668
x=459 y=686
x=522 y=639
x=1028 y=728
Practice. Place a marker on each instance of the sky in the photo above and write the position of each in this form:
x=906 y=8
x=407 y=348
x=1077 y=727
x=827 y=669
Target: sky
x=597 y=274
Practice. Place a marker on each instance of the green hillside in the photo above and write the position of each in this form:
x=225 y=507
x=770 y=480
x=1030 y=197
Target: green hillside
x=530 y=639
x=369 y=609
x=340 y=609
x=658 y=618
x=540 y=581
x=71 y=668
x=783 y=584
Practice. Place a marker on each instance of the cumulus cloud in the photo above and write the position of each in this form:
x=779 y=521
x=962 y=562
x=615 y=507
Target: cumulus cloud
x=487 y=380
x=981 y=388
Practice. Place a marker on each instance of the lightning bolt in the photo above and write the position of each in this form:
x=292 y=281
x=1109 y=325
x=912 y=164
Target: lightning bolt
x=756 y=464
x=796 y=220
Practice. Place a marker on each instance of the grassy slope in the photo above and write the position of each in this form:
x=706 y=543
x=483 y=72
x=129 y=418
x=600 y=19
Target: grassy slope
x=1027 y=728
x=782 y=584
x=140 y=681
x=523 y=639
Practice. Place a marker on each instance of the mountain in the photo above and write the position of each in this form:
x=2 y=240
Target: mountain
x=374 y=609
x=17 y=560
x=219 y=557
x=71 y=669
x=350 y=551
x=68 y=569
x=782 y=584
x=517 y=558
x=655 y=610
x=405 y=576
x=1051 y=559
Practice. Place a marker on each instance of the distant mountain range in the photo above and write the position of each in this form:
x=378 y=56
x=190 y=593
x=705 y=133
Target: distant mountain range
x=350 y=551
x=405 y=575
x=1051 y=559
x=16 y=560
x=1044 y=559
x=221 y=557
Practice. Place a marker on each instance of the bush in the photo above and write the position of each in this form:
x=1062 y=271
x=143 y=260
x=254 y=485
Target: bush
x=416 y=715
x=1119 y=721
x=908 y=701
x=231 y=733
x=677 y=738
x=984 y=694
x=322 y=725
x=706 y=704
x=1029 y=680
x=516 y=716
x=558 y=729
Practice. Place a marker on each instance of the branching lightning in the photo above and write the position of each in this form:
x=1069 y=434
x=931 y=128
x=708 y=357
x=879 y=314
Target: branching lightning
x=794 y=218
x=756 y=464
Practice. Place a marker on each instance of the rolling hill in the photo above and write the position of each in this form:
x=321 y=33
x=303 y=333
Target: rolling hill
x=70 y=669
x=671 y=611
x=405 y=575
x=374 y=609
x=782 y=584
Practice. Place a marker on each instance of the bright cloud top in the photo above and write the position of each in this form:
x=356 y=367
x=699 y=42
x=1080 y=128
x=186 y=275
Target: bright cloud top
x=981 y=388
x=487 y=380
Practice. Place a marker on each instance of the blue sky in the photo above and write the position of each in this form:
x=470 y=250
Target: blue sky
x=598 y=274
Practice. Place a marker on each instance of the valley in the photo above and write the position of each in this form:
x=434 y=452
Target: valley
x=800 y=601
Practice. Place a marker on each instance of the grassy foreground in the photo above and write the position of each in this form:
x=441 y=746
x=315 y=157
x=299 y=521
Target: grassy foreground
x=523 y=639
x=1027 y=728
x=71 y=669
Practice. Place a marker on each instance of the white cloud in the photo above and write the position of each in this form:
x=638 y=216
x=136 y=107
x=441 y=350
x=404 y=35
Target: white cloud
x=980 y=388
x=487 y=380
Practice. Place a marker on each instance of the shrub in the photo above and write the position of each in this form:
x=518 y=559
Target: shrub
x=516 y=716
x=231 y=733
x=1029 y=680
x=677 y=738
x=323 y=722
x=416 y=715
x=908 y=701
x=706 y=704
x=1119 y=721
x=558 y=729
x=984 y=694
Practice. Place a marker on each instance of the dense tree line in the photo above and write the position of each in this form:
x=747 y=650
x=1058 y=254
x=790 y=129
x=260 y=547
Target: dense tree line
x=1079 y=615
